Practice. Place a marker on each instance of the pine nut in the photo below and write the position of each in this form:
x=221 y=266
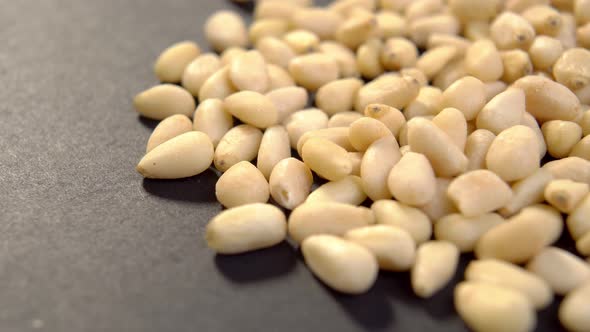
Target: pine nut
x=392 y=91
x=275 y=51
x=467 y=10
x=391 y=24
x=479 y=192
x=211 y=119
x=513 y=154
x=517 y=64
x=572 y=168
x=269 y=27
x=544 y=19
x=435 y=266
x=494 y=88
x=343 y=119
x=169 y=128
x=565 y=195
x=510 y=30
x=303 y=121
x=344 y=57
x=398 y=53
x=229 y=54
x=548 y=100
x=426 y=103
x=302 y=41
x=573 y=311
x=355 y=30
x=365 y=131
x=414 y=221
x=527 y=191
x=434 y=60
x=467 y=95
x=582 y=149
x=440 y=205
x=290 y=183
x=464 y=232
x=529 y=121
x=572 y=69
x=561 y=137
x=217 y=86
x=338 y=135
x=172 y=61
x=368 y=58
x=241 y=143
x=275 y=9
x=421 y=28
x=476 y=148
x=578 y=223
x=502 y=112
x=411 y=181
x=274 y=147
x=241 y=184
x=348 y=190
x=226 y=29
x=453 y=123
x=376 y=165
x=279 y=77
x=287 y=100
x=198 y=71
x=313 y=70
x=252 y=108
x=483 y=61
x=455 y=70
x=162 y=101
x=338 y=96
x=391 y=117
x=326 y=158
x=248 y=72
x=551 y=263
x=323 y=22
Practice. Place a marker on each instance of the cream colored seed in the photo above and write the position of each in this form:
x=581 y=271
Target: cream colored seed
x=578 y=223
x=582 y=148
x=323 y=22
x=440 y=205
x=455 y=70
x=476 y=148
x=513 y=154
x=248 y=72
x=241 y=184
x=169 y=128
x=365 y=131
x=270 y=27
x=338 y=96
x=368 y=58
x=572 y=69
x=344 y=57
x=483 y=61
x=527 y=191
x=523 y=236
x=565 y=195
x=516 y=65
x=573 y=311
x=342 y=265
x=519 y=6
x=548 y=100
x=338 y=135
x=414 y=221
x=529 y=121
x=467 y=10
x=343 y=119
x=198 y=71
x=567 y=34
x=348 y=190
x=326 y=158
x=494 y=88
x=252 y=108
x=584 y=122
x=279 y=77
x=302 y=41
x=422 y=8
x=446 y=158
x=435 y=266
x=434 y=60
x=288 y=100
x=417 y=74
x=212 y=119
x=561 y=137
x=490 y=308
x=502 y=112
x=391 y=117
x=581 y=10
x=229 y=54
x=583 y=245
x=479 y=192
x=411 y=181
x=572 y=168
x=583 y=94
x=467 y=95
x=355 y=30
x=162 y=101
x=327 y=218
x=241 y=143
x=477 y=30
x=217 y=86
x=544 y=19
x=394 y=5
x=459 y=43
x=453 y=123
x=464 y=232
x=510 y=30
x=246 y=228
x=314 y=70
x=421 y=29
x=275 y=51
x=290 y=183
x=301 y=122
x=356 y=159
x=426 y=103
x=583 y=35
x=275 y=9
x=183 y=156
x=550 y=265
x=172 y=61
x=391 y=24
x=274 y=147
x=398 y=53
x=393 y=91
x=226 y=29
x=376 y=165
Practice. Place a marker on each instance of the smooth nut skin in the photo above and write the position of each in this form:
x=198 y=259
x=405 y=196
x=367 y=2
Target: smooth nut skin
x=422 y=28
x=434 y=60
x=523 y=236
x=453 y=123
x=513 y=154
x=572 y=168
x=391 y=24
x=355 y=30
x=212 y=119
x=290 y=183
x=337 y=135
x=288 y=100
x=327 y=218
x=225 y=29
x=527 y=191
x=500 y=273
x=490 y=308
x=252 y=108
x=344 y=57
x=561 y=137
x=162 y=101
x=517 y=64
x=342 y=265
x=376 y=164
x=228 y=55
x=364 y=131
x=398 y=53
x=393 y=91
x=270 y=27
x=565 y=195
x=348 y=190
x=529 y=121
x=171 y=63
x=323 y=22
x=548 y=100
x=246 y=228
x=467 y=10
x=545 y=51
x=169 y=128
x=464 y=232
x=198 y=71
x=479 y=192
x=241 y=143
x=304 y=121
x=414 y=221
x=338 y=96
x=391 y=117
x=511 y=31
x=302 y=41
x=368 y=58
x=274 y=147
x=183 y=156
x=440 y=205
x=279 y=77
x=217 y=86
x=343 y=119
x=544 y=19
x=314 y=70
x=467 y=95
x=494 y=88
x=248 y=72
x=551 y=263
x=275 y=51
x=578 y=223
x=476 y=148
x=502 y=112
x=327 y=159
x=582 y=148
x=572 y=69
x=436 y=263
x=573 y=311
x=411 y=181
x=393 y=247
x=426 y=103
x=483 y=61
x=241 y=184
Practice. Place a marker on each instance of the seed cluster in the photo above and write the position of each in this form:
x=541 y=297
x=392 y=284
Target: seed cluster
x=440 y=112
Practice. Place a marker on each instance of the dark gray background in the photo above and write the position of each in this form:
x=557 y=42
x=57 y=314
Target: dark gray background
x=87 y=245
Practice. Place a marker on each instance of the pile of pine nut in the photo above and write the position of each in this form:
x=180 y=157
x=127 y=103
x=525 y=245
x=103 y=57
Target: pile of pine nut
x=437 y=112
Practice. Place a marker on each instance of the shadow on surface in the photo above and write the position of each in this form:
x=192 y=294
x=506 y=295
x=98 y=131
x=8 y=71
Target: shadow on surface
x=246 y=7
x=199 y=188
x=257 y=265
x=148 y=123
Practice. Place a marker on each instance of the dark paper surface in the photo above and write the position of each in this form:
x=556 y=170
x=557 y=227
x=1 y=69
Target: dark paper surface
x=87 y=245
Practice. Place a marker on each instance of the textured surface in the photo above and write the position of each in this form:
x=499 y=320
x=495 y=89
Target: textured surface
x=87 y=245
